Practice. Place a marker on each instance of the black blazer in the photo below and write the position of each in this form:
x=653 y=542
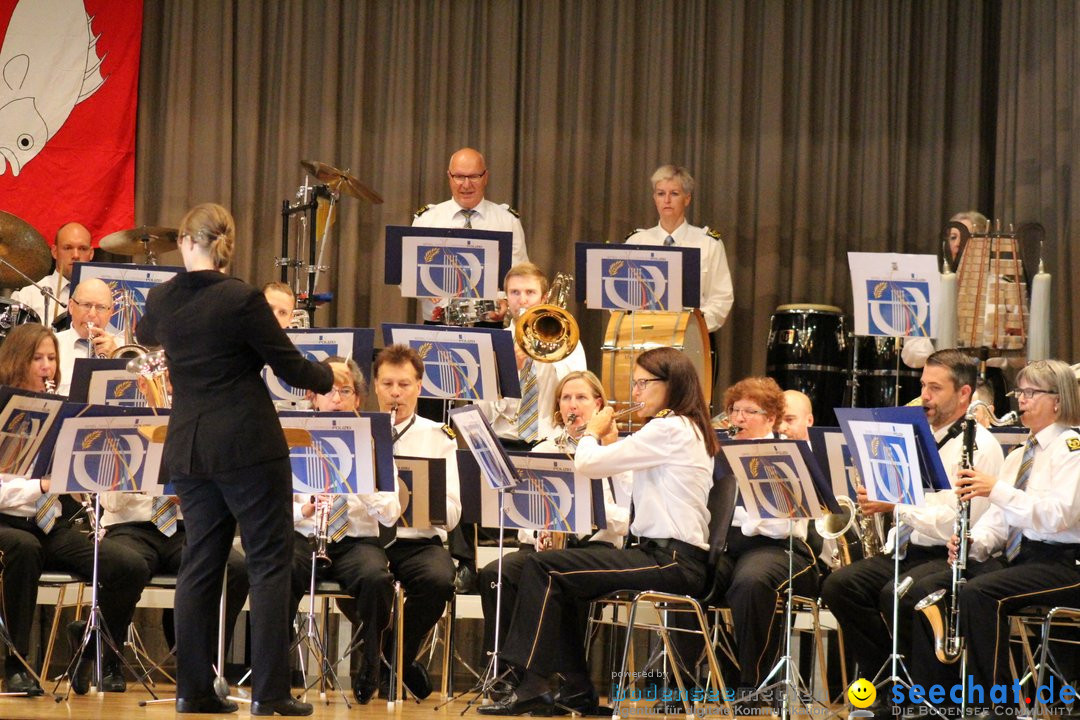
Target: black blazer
x=218 y=332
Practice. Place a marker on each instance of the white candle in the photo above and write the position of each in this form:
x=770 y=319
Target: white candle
x=946 y=312
x=1039 y=317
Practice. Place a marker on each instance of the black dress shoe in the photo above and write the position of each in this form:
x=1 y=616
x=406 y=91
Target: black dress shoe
x=288 y=706
x=364 y=687
x=80 y=674
x=537 y=705
x=584 y=702
x=112 y=680
x=211 y=704
x=417 y=680
x=465 y=580
x=22 y=682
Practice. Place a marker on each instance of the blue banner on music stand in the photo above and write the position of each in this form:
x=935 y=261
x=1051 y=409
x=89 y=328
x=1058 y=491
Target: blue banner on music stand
x=122 y=278
x=638 y=277
x=318 y=344
x=447 y=262
x=105 y=452
x=895 y=452
x=25 y=419
x=835 y=460
x=104 y=381
x=495 y=465
x=460 y=363
x=781 y=477
x=894 y=294
x=349 y=453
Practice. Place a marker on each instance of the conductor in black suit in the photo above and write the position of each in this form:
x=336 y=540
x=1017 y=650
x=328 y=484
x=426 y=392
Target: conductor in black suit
x=226 y=453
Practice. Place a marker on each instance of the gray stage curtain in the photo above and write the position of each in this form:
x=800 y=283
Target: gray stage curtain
x=812 y=128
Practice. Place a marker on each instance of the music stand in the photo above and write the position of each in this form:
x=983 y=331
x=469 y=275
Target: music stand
x=319 y=344
x=135 y=281
x=895 y=452
x=780 y=479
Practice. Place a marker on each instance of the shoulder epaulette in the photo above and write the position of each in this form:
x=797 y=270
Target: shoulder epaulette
x=449 y=432
x=422 y=210
x=714 y=234
x=1073 y=444
x=513 y=211
x=663 y=413
x=631 y=234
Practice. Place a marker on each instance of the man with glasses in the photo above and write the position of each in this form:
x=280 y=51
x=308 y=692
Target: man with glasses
x=861 y=594
x=468 y=208
x=357 y=557
x=91 y=308
x=71 y=245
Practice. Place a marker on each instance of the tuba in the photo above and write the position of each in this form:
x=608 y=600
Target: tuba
x=548 y=333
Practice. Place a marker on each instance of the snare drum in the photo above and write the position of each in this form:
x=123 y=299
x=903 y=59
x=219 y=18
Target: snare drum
x=13 y=314
x=876 y=362
x=631 y=333
x=807 y=351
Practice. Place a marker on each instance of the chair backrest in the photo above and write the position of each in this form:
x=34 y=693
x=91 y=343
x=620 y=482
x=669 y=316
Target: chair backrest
x=721 y=505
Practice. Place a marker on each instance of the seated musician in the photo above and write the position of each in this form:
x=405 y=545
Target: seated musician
x=577 y=398
x=798 y=416
x=1033 y=519
x=357 y=558
x=671 y=459
x=282 y=301
x=36 y=535
x=519 y=423
x=72 y=244
x=861 y=594
x=91 y=308
x=417 y=558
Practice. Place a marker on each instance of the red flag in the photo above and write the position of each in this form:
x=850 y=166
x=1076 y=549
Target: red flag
x=69 y=81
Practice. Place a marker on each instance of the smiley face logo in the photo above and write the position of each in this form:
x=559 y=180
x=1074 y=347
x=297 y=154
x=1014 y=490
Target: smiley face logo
x=862 y=693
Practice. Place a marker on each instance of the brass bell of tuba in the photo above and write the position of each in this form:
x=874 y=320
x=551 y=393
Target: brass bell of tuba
x=548 y=333
x=130 y=348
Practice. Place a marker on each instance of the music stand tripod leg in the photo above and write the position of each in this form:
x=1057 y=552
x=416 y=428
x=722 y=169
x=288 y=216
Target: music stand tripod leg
x=5 y=639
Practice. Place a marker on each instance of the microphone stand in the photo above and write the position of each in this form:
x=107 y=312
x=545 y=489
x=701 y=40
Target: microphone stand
x=45 y=292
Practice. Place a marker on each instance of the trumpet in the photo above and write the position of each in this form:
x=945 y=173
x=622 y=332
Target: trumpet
x=90 y=327
x=322 y=530
x=570 y=432
x=722 y=423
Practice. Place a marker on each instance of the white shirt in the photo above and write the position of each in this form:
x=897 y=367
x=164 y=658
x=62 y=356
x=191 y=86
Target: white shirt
x=426 y=438
x=933 y=522
x=365 y=512
x=1048 y=509
x=672 y=476
x=489 y=216
x=19 y=496
x=502 y=413
x=616 y=498
x=717 y=295
x=70 y=346
x=42 y=305
x=125 y=507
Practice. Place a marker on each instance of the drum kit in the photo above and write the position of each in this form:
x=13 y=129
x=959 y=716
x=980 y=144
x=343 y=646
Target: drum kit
x=811 y=350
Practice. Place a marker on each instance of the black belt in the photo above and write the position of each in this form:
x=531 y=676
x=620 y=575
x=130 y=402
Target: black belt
x=691 y=551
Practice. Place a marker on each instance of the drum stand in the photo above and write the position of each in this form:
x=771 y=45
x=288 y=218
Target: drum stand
x=95 y=626
x=307 y=208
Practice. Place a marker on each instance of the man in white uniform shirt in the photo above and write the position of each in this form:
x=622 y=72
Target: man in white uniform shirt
x=468 y=208
x=71 y=245
x=91 y=308
x=355 y=549
x=861 y=594
x=417 y=558
x=673 y=188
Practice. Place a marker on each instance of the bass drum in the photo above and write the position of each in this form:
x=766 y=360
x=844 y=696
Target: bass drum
x=630 y=334
x=876 y=363
x=807 y=352
x=13 y=314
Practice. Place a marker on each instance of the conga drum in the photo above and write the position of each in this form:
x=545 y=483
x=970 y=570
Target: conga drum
x=631 y=333
x=806 y=352
x=879 y=371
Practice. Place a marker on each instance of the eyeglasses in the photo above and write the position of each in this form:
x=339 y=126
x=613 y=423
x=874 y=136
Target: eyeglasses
x=343 y=392
x=745 y=412
x=460 y=179
x=643 y=383
x=91 y=306
x=1029 y=393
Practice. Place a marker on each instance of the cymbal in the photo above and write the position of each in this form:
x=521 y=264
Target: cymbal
x=139 y=240
x=341 y=180
x=22 y=246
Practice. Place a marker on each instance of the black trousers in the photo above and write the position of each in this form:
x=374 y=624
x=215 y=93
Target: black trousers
x=512 y=565
x=753 y=572
x=162 y=554
x=1042 y=574
x=426 y=572
x=27 y=552
x=924 y=665
x=258 y=499
x=546 y=634
x=860 y=596
x=360 y=566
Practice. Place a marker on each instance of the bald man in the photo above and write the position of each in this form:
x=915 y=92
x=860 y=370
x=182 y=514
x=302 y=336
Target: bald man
x=71 y=245
x=468 y=208
x=91 y=308
x=798 y=415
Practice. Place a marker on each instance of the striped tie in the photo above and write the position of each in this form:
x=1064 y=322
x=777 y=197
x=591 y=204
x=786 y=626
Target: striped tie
x=669 y=241
x=339 y=518
x=163 y=514
x=468 y=216
x=47 y=512
x=1012 y=544
x=528 y=421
